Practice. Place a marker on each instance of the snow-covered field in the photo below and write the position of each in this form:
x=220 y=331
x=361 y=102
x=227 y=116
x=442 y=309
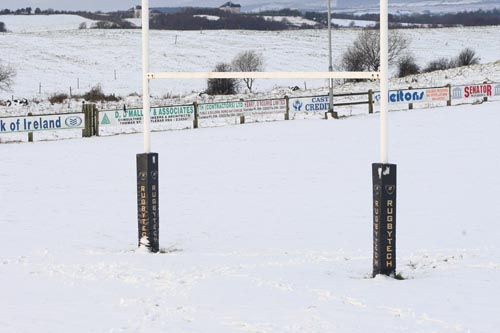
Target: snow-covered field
x=21 y=24
x=267 y=228
x=293 y=20
x=59 y=59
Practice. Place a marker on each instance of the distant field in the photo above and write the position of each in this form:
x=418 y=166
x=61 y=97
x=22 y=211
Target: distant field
x=59 y=59
x=38 y=23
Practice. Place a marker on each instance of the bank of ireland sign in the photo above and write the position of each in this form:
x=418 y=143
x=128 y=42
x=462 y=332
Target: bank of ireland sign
x=41 y=123
x=310 y=104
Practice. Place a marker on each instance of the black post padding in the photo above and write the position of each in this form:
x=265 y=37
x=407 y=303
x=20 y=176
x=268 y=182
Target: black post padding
x=147 y=201
x=384 y=219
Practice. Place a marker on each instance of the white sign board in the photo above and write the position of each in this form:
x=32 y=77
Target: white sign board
x=135 y=116
x=42 y=123
x=415 y=95
x=220 y=110
x=475 y=91
x=310 y=104
x=263 y=107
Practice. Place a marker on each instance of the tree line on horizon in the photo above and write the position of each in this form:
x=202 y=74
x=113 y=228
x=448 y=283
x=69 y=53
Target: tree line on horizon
x=187 y=19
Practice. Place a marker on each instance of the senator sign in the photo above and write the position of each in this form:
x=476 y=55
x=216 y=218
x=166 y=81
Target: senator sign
x=475 y=91
x=135 y=116
x=42 y=123
x=310 y=104
x=416 y=95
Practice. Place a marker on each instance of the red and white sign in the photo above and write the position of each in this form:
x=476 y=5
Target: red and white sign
x=437 y=94
x=476 y=90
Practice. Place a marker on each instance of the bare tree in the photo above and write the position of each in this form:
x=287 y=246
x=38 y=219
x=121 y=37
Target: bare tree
x=407 y=65
x=248 y=61
x=7 y=74
x=467 y=57
x=222 y=86
x=440 y=64
x=364 y=54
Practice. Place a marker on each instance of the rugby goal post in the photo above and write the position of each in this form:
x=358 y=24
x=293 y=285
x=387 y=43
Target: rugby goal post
x=383 y=173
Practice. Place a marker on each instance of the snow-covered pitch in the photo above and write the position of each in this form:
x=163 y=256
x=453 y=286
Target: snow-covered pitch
x=266 y=227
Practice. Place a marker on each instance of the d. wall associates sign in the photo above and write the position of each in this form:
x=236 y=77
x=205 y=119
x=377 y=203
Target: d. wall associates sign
x=135 y=116
x=41 y=123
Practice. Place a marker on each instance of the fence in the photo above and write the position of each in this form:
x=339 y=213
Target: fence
x=92 y=122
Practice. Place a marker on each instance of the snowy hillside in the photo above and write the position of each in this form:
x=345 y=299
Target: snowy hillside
x=266 y=227
x=80 y=59
x=43 y=23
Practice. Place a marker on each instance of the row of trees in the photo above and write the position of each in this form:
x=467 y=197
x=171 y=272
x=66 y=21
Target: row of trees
x=187 y=21
x=407 y=64
x=465 y=18
x=19 y=11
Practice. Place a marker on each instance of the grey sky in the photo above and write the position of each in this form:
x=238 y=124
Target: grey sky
x=107 y=5
x=111 y=5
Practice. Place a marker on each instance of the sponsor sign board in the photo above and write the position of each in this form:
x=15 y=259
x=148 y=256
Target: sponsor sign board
x=220 y=110
x=158 y=115
x=42 y=123
x=475 y=91
x=263 y=107
x=310 y=104
x=415 y=95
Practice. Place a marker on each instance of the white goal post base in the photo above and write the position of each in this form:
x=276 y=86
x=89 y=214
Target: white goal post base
x=265 y=75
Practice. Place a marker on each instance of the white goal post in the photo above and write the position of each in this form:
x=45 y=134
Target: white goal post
x=265 y=75
x=382 y=76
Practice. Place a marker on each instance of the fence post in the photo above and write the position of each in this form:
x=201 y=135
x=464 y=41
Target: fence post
x=287 y=113
x=242 y=117
x=195 y=121
x=485 y=98
x=89 y=120
x=96 y=120
x=30 y=134
x=86 y=121
x=448 y=102
x=410 y=106
x=370 y=101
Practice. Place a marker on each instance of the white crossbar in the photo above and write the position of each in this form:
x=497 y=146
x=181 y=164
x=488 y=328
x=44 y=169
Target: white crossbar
x=265 y=75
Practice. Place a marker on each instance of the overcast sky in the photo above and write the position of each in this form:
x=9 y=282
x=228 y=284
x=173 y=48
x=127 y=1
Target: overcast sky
x=105 y=5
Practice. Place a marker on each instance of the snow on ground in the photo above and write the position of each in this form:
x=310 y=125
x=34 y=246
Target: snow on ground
x=362 y=23
x=209 y=17
x=354 y=23
x=267 y=228
x=135 y=21
x=293 y=20
x=22 y=24
x=59 y=60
